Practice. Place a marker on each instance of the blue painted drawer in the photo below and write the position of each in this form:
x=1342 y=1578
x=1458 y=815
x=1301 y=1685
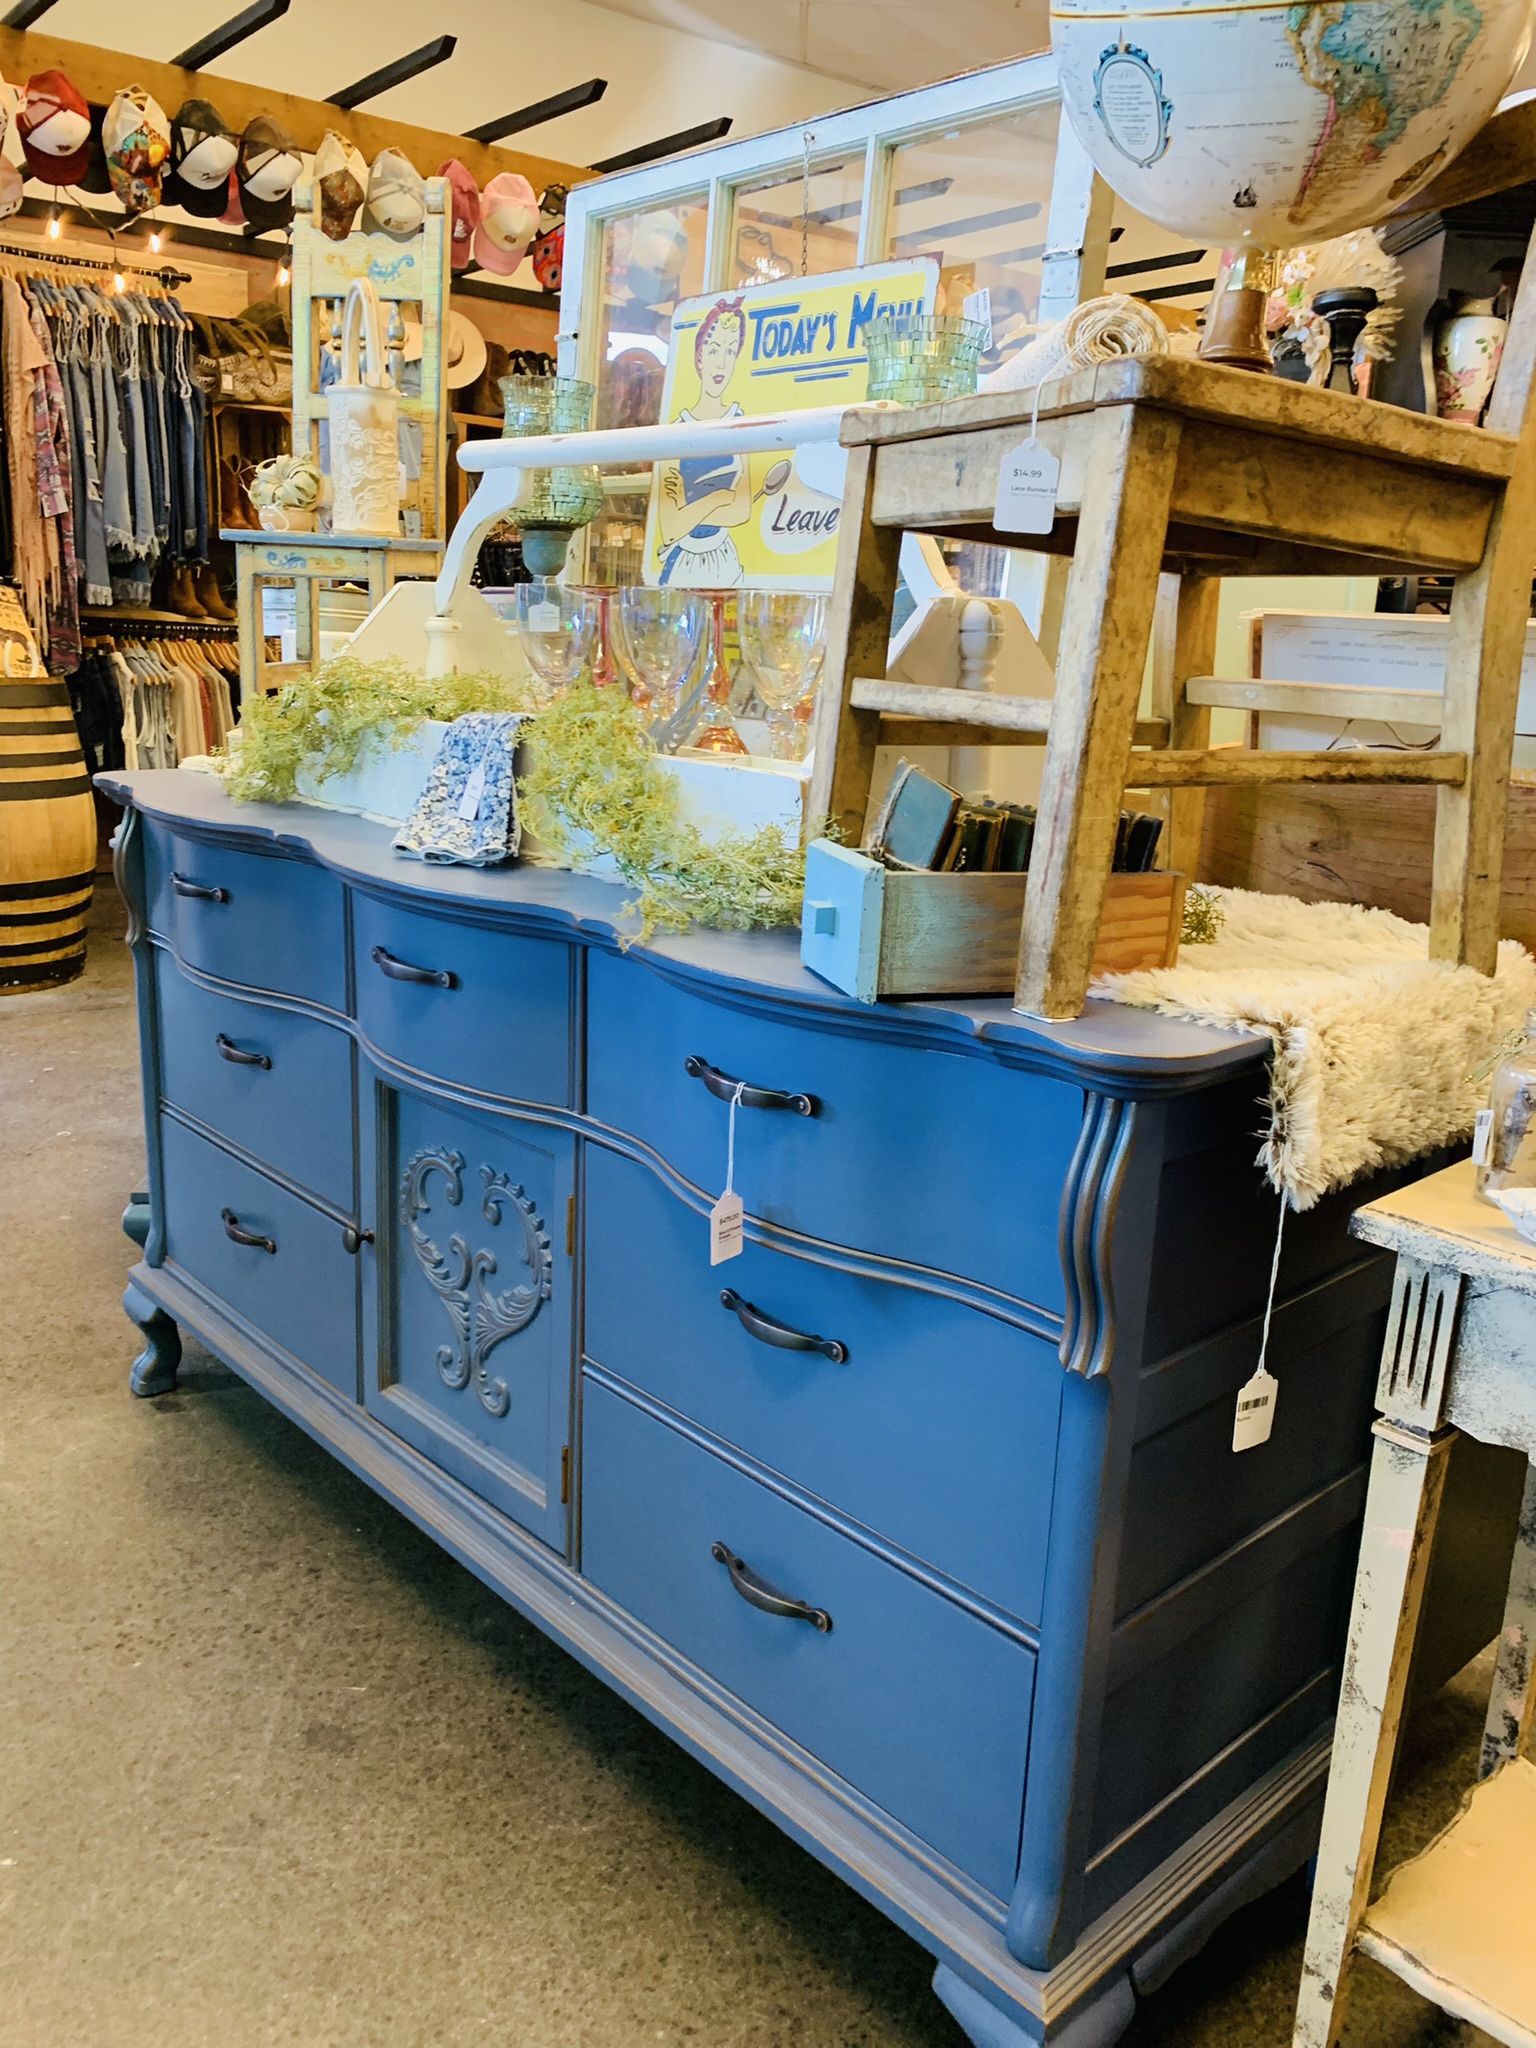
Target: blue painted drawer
x=256 y=918
x=303 y=1294
x=903 y=1676
x=940 y=1158
x=294 y=1112
x=488 y=1008
x=939 y=1431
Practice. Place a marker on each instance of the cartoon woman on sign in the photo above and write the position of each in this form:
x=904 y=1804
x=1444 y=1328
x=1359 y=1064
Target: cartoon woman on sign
x=700 y=497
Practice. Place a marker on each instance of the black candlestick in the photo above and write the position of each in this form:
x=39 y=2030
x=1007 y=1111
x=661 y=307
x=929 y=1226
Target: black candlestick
x=1345 y=309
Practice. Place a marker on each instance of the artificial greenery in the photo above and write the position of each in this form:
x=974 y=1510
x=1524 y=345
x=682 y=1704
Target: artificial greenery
x=325 y=720
x=591 y=785
x=1203 y=916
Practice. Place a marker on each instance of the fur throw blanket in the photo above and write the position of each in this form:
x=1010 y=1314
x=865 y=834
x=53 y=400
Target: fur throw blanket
x=1375 y=1044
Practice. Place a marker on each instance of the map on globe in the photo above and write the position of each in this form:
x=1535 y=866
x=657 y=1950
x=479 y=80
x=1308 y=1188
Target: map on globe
x=1280 y=124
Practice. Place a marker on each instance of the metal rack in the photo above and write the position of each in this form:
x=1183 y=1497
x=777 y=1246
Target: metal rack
x=166 y=274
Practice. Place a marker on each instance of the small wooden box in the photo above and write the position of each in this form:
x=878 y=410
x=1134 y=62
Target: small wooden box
x=875 y=931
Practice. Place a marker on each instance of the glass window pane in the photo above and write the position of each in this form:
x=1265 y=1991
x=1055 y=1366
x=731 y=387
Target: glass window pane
x=651 y=258
x=975 y=198
x=771 y=216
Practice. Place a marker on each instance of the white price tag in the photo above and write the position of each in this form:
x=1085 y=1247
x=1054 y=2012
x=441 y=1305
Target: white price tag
x=474 y=790
x=978 y=307
x=1026 y=490
x=1255 y=1416
x=544 y=618
x=1482 y=1128
x=725 y=1234
x=725 y=1229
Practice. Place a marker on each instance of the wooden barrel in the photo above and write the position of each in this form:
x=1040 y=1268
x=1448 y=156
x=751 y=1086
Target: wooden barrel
x=47 y=836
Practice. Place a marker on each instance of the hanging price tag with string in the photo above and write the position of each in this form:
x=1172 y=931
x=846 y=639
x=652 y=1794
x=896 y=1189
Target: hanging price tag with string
x=1256 y=1397
x=1027 y=478
x=725 y=1219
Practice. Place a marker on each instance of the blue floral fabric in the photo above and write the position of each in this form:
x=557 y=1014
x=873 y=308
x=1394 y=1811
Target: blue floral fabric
x=468 y=810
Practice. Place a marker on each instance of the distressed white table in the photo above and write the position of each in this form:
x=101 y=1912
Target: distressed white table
x=1459 y=1921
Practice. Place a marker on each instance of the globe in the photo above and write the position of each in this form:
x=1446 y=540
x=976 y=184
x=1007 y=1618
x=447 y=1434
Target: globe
x=1272 y=125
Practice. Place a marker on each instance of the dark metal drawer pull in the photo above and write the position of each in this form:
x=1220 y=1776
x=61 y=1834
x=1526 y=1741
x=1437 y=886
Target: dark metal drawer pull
x=233 y=1230
x=402 y=970
x=238 y=1057
x=758 y=1593
x=726 y=1085
x=767 y=1331
x=200 y=890
x=353 y=1239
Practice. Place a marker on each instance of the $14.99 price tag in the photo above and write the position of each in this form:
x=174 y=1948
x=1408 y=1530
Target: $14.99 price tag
x=1026 y=489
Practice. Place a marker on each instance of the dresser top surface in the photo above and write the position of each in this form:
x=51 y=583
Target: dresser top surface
x=1442 y=1221
x=1111 y=1040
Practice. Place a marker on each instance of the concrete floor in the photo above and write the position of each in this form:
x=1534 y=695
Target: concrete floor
x=273 y=1770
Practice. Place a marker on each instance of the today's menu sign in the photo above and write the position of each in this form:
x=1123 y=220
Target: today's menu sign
x=723 y=521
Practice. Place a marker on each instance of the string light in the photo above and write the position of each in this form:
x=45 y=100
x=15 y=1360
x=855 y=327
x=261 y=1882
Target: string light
x=154 y=241
x=55 y=227
x=282 y=273
x=119 y=282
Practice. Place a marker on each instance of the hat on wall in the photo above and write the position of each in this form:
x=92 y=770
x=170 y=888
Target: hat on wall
x=266 y=170
x=464 y=211
x=509 y=220
x=203 y=153
x=55 y=128
x=464 y=350
x=11 y=188
x=397 y=196
x=137 y=139
x=341 y=177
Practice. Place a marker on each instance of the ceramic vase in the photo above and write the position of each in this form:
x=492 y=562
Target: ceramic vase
x=1467 y=349
x=364 y=414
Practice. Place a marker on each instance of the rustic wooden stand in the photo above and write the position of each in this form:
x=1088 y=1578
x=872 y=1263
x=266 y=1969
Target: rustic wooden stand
x=1173 y=468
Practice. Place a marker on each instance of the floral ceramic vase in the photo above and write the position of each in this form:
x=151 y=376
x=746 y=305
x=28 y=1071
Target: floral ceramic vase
x=1468 y=346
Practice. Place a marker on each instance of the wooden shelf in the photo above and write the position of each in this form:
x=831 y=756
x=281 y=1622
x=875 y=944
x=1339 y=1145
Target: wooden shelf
x=1455 y=1921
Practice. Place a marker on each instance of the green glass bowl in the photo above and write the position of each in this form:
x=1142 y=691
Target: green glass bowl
x=563 y=498
x=915 y=358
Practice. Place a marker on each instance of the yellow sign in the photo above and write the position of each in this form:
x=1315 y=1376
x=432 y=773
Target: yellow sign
x=725 y=521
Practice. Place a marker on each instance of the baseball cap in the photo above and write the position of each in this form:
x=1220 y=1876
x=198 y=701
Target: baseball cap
x=54 y=123
x=266 y=171
x=397 y=197
x=137 y=139
x=342 y=178
x=509 y=218
x=464 y=207
x=203 y=153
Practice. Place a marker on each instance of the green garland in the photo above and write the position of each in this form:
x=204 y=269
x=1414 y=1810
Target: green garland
x=591 y=785
x=324 y=721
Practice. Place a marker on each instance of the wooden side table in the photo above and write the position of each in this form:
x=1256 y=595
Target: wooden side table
x=305 y=559
x=1459 y=1921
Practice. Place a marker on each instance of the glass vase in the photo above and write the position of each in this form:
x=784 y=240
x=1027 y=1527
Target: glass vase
x=559 y=500
x=1509 y=1156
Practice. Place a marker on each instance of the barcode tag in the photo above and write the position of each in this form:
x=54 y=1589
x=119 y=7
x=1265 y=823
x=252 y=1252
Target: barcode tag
x=978 y=307
x=725 y=1229
x=544 y=618
x=1026 y=490
x=1482 y=1126
x=1255 y=1416
x=474 y=790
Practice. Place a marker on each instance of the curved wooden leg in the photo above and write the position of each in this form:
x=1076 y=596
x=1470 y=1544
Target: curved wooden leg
x=136 y=1217
x=154 y=1370
x=986 y=2025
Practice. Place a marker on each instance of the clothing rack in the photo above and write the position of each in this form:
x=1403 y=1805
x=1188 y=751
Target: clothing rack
x=99 y=625
x=167 y=275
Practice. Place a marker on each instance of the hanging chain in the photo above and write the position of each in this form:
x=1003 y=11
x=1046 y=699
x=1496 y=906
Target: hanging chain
x=806 y=140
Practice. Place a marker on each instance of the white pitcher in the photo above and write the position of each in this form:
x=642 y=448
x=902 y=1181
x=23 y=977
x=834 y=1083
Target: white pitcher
x=364 y=412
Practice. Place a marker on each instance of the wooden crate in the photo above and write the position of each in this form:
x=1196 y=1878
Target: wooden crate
x=874 y=931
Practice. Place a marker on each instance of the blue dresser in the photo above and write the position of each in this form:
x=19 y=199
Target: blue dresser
x=917 y=1522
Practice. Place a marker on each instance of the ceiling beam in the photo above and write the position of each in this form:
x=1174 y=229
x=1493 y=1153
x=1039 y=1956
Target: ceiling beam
x=438 y=51
x=235 y=30
x=539 y=111
x=24 y=13
x=98 y=74
x=668 y=145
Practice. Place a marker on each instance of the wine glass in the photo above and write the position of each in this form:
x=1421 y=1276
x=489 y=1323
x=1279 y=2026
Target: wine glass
x=556 y=628
x=716 y=732
x=657 y=637
x=784 y=642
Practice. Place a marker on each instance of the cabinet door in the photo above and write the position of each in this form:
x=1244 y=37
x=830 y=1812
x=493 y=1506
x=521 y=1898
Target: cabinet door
x=469 y=1350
